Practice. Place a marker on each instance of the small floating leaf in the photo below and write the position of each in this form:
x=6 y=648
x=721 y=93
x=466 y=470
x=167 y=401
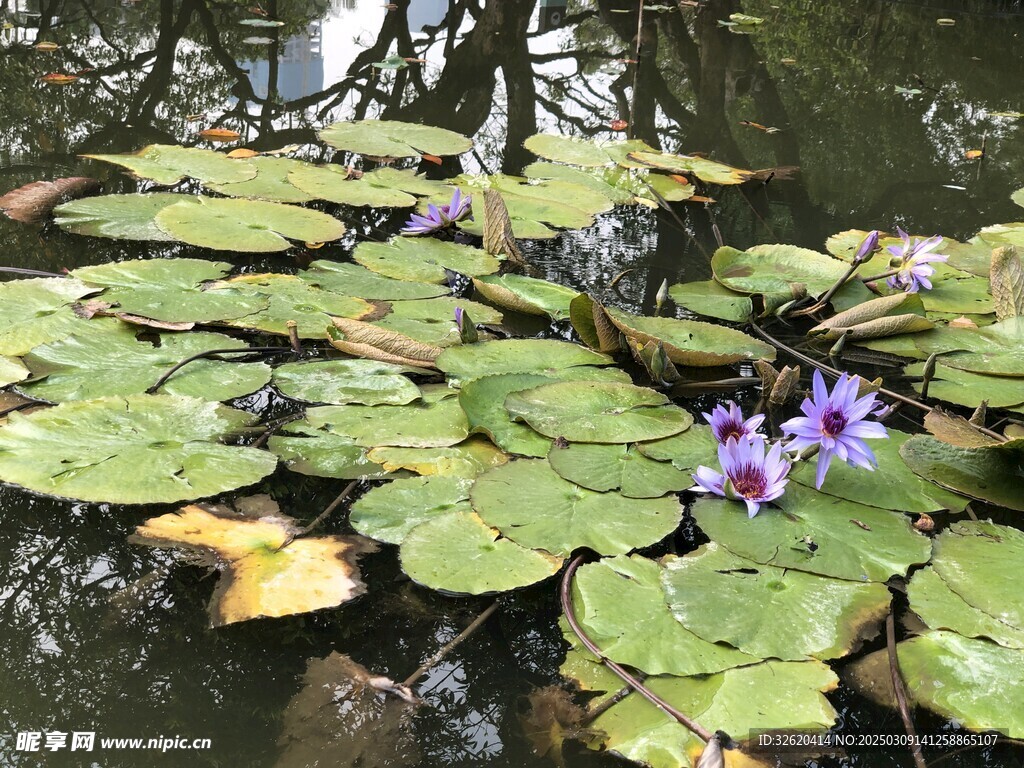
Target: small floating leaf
x=608 y=467
x=467 y=459
x=546 y=357
x=712 y=299
x=341 y=382
x=389 y=512
x=423 y=260
x=390 y=138
x=120 y=217
x=37 y=311
x=168 y=164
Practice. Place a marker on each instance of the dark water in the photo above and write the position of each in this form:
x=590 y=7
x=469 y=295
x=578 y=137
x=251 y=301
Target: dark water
x=76 y=657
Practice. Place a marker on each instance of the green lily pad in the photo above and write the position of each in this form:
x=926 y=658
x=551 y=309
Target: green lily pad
x=996 y=349
x=547 y=357
x=168 y=164
x=990 y=473
x=120 y=217
x=970 y=389
x=768 y=269
x=437 y=421
x=483 y=400
x=981 y=562
x=767 y=611
x=467 y=459
x=321 y=453
x=67 y=369
x=389 y=512
x=707 y=297
x=623 y=186
x=892 y=485
x=381 y=188
x=354 y=280
x=977 y=683
x=844 y=549
x=687 y=450
x=341 y=382
x=391 y=138
x=620 y=603
x=597 y=412
x=457 y=552
x=969 y=295
x=940 y=607
x=171 y=290
x=691 y=342
x=529 y=503
x=568 y=149
x=11 y=371
x=272 y=182
x=608 y=467
x=289 y=298
x=423 y=259
x=432 y=321
x=37 y=311
x=141 y=449
x=703 y=168
x=249 y=226
x=526 y=294
x=772 y=695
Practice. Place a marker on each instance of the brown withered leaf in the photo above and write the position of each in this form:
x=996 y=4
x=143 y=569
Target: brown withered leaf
x=220 y=134
x=88 y=309
x=980 y=414
x=955 y=430
x=552 y=719
x=46 y=46
x=871 y=310
x=592 y=324
x=891 y=325
x=33 y=202
x=361 y=339
x=342 y=718
x=962 y=322
x=149 y=322
x=768 y=375
x=785 y=385
x=498 y=238
x=1006 y=281
x=243 y=152
x=58 y=78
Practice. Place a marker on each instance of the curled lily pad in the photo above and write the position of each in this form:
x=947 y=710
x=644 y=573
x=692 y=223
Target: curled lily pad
x=423 y=260
x=597 y=412
x=251 y=226
x=387 y=513
x=892 y=485
x=272 y=182
x=818 y=534
x=436 y=421
x=767 y=611
x=382 y=188
x=289 y=298
x=607 y=467
x=354 y=280
x=168 y=164
x=391 y=138
x=990 y=473
x=432 y=321
x=120 y=217
x=321 y=453
x=340 y=382
x=712 y=299
x=545 y=357
x=457 y=552
x=66 y=370
x=483 y=400
x=467 y=459
x=141 y=449
x=367 y=340
x=621 y=605
x=268 y=571
x=529 y=503
x=171 y=290
x=769 y=269
x=37 y=311
x=997 y=349
x=526 y=294
x=691 y=342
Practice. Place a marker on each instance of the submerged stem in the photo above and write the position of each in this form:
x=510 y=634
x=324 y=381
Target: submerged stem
x=210 y=353
x=447 y=648
x=901 y=691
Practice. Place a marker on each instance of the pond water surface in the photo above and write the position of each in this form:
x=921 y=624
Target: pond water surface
x=875 y=102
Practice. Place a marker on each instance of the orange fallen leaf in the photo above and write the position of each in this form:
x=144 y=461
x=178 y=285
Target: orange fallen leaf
x=414 y=60
x=700 y=199
x=58 y=78
x=194 y=118
x=219 y=134
x=46 y=47
x=618 y=125
x=314 y=246
x=242 y=152
x=680 y=179
x=974 y=154
x=432 y=159
x=257 y=10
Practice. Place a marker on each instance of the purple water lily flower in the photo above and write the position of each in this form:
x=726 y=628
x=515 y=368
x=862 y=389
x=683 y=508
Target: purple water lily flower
x=730 y=423
x=749 y=475
x=466 y=326
x=867 y=247
x=440 y=216
x=836 y=422
x=915 y=257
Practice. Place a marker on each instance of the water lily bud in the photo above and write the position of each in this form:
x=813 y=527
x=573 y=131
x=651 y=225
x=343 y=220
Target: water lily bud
x=467 y=329
x=924 y=523
x=867 y=247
